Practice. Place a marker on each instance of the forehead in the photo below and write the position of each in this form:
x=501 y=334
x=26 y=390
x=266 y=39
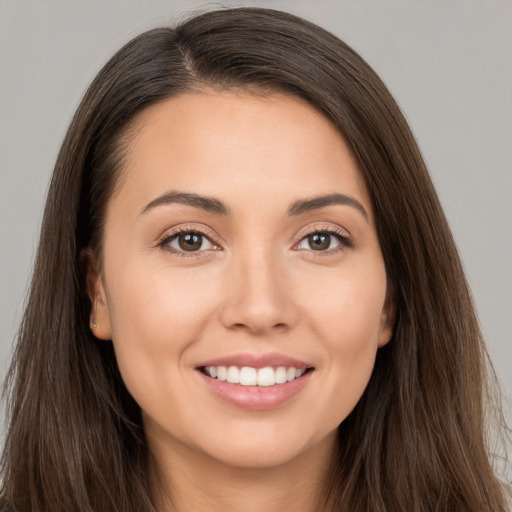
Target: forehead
x=238 y=144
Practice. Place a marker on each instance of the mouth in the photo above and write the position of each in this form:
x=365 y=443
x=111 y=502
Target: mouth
x=255 y=382
x=249 y=376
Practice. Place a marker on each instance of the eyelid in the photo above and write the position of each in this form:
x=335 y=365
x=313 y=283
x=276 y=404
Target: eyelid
x=343 y=236
x=163 y=240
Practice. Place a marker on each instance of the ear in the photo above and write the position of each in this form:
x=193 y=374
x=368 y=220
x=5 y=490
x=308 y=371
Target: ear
x=99 y=321
x=388 y=318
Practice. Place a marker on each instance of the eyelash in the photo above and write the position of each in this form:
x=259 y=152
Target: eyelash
x=342 y=237
x=168 y=237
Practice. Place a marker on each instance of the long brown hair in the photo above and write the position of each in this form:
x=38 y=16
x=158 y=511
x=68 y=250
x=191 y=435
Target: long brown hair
x=416 y=441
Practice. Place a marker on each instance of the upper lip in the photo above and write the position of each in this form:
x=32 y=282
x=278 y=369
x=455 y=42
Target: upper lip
x=257 y=361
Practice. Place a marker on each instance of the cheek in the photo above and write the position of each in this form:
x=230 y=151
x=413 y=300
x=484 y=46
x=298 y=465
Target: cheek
x=157 y=304
x=345 y=317
x=156 y=314
x=346 y=307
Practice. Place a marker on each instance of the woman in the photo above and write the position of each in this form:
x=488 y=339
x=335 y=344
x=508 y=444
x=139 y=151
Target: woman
x=246 y=295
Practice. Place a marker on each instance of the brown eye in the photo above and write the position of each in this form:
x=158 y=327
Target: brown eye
x=323 y=241
x=319 y=241
x=188 y=241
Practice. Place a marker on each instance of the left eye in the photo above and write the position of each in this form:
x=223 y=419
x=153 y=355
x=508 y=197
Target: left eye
x=189 y=241
x=320 y=241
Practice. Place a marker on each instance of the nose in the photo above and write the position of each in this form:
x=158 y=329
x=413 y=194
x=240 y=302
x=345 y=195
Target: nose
x=259 y=297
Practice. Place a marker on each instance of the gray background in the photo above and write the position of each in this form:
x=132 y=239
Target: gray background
x=448 y=63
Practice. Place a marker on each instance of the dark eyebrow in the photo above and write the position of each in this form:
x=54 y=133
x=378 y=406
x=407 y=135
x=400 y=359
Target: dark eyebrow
x=209 y=204
x=213 y=205
x=307 y=205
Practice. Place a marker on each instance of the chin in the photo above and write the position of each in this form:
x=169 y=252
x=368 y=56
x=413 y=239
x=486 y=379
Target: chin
x=259 y=451
x=255 y=457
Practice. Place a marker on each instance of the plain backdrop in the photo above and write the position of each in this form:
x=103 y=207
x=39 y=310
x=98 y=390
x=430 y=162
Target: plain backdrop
x=448 y=63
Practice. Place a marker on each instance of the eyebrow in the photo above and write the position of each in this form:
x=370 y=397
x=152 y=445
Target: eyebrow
x=307 y=205
x=212 y=205
x=208 y=204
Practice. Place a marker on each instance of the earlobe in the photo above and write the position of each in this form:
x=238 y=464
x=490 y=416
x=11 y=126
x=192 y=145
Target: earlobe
x=99 y=321
x=100 y=316
x=387 y=320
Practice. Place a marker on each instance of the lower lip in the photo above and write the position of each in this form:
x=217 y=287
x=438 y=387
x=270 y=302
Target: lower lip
x=256 y=397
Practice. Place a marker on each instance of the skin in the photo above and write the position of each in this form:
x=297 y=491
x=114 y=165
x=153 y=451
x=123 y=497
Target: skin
x=257 y=285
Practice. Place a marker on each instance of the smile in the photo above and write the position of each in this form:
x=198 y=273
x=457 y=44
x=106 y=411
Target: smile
x=249 y=376
x=255 y=382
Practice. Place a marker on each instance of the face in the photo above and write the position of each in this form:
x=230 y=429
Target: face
x=241 y=245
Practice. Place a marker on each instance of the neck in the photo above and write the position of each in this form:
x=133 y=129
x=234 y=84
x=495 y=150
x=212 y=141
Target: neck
x=189 y=480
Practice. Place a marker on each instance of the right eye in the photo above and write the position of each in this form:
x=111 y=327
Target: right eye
x=187 y=241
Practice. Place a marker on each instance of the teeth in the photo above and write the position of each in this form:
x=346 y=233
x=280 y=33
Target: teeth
x=222 y=372
x=233 y=375
x=247 y=376
x=266 y=376
x=281 y=375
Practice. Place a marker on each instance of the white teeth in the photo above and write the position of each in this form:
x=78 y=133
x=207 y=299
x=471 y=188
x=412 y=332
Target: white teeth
x=266 y=376
x=233 y=375
x=248 y=376
x=281 y=375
